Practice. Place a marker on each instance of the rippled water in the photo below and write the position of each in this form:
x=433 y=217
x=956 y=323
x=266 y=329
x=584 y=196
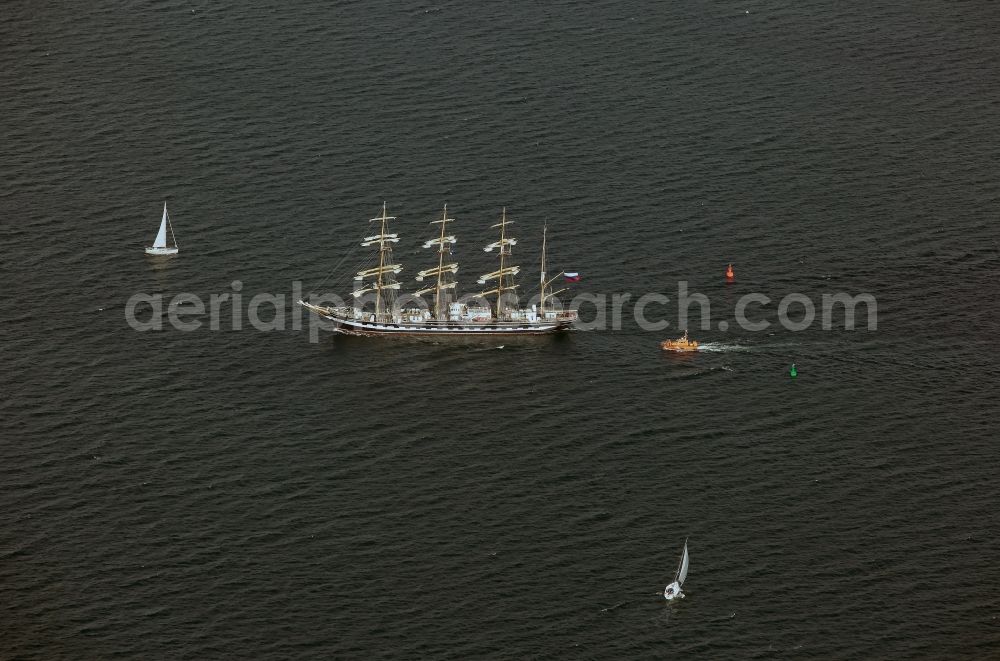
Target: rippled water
x=246 y=494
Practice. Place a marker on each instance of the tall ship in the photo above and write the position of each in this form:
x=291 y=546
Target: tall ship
x=380 y=307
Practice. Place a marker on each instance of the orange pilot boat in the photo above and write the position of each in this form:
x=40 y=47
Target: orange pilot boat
x=682 y=344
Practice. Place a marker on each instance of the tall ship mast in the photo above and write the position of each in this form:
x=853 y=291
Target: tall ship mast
x=503 y=247
x=385 y=285
x=545 y=286
x=443 y=311
x=445 y=286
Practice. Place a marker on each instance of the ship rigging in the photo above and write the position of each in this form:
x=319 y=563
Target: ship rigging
x=396 y=313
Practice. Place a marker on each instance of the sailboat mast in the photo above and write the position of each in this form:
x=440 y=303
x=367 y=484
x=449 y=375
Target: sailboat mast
x=381 y=263
x=170 y=224
x=541 y=305
x=437 y=291
x=503 y=247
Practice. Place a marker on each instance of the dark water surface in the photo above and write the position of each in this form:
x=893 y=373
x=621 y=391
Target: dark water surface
x=244 y=494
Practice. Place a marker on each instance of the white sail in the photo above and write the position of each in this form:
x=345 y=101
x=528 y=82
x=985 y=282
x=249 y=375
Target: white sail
x=673 y=591
x=161 y=236
x=682 y=572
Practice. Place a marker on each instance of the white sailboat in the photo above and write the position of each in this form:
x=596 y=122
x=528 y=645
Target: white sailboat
x=673 y=591
x=160 y=245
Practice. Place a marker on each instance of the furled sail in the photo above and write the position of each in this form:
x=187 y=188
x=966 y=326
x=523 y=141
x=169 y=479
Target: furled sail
x=441 y=240
x=374 y=287
x=427 y=290
x=379 y=238
x=437 y=270
x=499 y=244
x=510 y=270
x=378 y=270
x=498 y=290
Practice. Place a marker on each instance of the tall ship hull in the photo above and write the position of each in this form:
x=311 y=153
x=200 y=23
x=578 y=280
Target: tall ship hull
x=379 y=310
x=344 y=323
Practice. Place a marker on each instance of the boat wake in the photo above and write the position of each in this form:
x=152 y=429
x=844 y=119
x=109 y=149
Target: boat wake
x=616 y=606
x=719 y=347
x=494 y=348
x=702 y=373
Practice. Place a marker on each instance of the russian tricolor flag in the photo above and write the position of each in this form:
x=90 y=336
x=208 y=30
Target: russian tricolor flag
x=572 y=277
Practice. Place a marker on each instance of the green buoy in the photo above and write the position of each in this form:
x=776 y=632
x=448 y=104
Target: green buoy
x=793 y=372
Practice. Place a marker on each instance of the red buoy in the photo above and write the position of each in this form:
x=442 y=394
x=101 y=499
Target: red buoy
x=730 y=276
